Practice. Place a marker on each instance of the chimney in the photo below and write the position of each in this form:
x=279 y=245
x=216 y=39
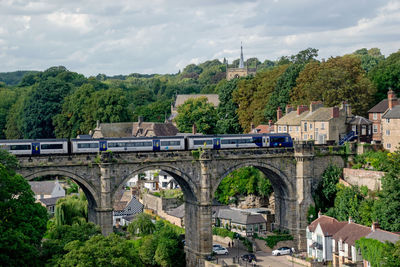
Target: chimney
x=278 y=114
x=350 y=220
x=270 y=123
x=392 y=99
x=289 y=109
x=319 y=214
x=301 y=109
x=314 y=105
x=97 y=124
x=335 y=112
x=194 y=129
x=252 y=126
x=374 y=226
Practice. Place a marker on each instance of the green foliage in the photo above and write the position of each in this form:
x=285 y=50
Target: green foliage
x=101 y=251
x=22 y=221
x=272 y=240
x=373 y=160
x=347 y=203
x=71 y=209
x=369 y=58
x=223 y=232
x=15 y=77
x=325 y=192
x=228 y=120
x=172 y=193
x=385 y=75
x=142 y=225
x=199 y=112
x=244 y=181
x=376 y=252
x=248 y=244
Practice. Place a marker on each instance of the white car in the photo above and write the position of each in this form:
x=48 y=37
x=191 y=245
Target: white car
x=220 y=251
x=282 y=251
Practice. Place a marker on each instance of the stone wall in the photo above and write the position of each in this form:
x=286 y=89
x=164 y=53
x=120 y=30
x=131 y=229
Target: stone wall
x=371 y=179
x=160 y=205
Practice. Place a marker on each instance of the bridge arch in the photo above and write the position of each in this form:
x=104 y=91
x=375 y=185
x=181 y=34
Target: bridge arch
x=187 y=185
x=284 y=188
x=89 y=191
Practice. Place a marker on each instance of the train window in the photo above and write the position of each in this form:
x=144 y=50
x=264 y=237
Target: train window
x=88 y=145
x=202 y=142
x=170 y=143
x=20 y=147
x=228 y=141
x=278 y=139
x=51 y=146
x=141 y=144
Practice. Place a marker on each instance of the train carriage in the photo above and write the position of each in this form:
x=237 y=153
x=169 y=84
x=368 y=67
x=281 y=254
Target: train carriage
x=35 y=146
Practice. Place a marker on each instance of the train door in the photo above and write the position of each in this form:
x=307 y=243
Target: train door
x=103 y=145
x=258 y=141
x=35 y=148
x=156 y=145
x=267 y=141
x=216 y=143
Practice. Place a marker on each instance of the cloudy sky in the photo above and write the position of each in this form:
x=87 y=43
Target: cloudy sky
x=163 y=36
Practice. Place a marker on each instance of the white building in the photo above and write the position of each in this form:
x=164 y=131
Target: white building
x=47 y=189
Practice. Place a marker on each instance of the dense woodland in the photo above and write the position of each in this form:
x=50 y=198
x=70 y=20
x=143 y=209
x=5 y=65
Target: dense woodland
x=61 y=103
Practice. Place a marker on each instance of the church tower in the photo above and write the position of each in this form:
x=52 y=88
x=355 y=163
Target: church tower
x=241 y=71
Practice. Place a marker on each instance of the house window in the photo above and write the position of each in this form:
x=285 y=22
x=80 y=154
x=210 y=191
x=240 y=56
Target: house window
x=284 y=129
x=340 y=245
x=165 y=177
x=305 y=126
x=387 y=120
x=297 y=128
x=363 y=129
x=388 y=146
x=387 y=132
x=305 y=136
x=309 y=235
x=310 y=136
x=374 y=116
x=310 y=126
x=375 y=128
x=290 y=128
x=164 y=184
x=322 y=126
x=279 y=129
x=319 y=239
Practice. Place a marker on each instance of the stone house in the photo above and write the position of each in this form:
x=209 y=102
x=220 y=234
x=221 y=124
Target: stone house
x=319 y=237
x=47 y=189
x=391 y=128
x=376 y=112
x=124 y=209
x=314 y=122
x=181 y=99
x=241 y=222
x=49 y=204
x=134 y=129
x=344 y=249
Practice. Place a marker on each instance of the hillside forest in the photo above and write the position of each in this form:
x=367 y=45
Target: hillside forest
x=61 y=103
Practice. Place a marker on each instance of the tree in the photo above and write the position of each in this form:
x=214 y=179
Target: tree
x=154 y=112
x=386 y=75
x=199 y=112
x=387 y=207
x=101 y=251
x=228 y=121
x=347 y=203
x=22 y=221
x=7 y=99
x=334 y=81
x=369 y=58
x=325 y=193
x=71 y=209
x=142 y=225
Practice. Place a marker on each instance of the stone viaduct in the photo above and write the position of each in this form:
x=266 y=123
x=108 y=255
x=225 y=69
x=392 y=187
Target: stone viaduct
x=292 y=171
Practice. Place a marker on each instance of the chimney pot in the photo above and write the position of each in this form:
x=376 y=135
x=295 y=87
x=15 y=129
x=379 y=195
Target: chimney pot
x=335 y=112
x=301 y=109
x=392 y=99
x=289 y=109
x=194 y=129
x=278 y=113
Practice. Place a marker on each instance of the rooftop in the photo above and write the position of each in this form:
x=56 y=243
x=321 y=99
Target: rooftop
x=241 y=217
x=394 y=113
x=292 y=118
x=381 y=107
x=328 y=225
x=351 y=232
x=42 y=187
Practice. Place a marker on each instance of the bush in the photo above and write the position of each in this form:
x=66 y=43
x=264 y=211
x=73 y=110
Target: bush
x=223 y=232
x=272 y=240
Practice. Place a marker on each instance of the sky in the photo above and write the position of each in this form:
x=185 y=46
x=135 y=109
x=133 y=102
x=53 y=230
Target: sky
x=163 y=36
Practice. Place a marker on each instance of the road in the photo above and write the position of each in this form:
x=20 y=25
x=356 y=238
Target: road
x=263 y=258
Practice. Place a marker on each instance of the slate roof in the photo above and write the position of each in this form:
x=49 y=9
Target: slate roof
x=292 y=118
x=394 y=113
x=178 y=212
x=358 y=120
x=241 y=217
x=321 y=114
x=351 y=232
x=384 y=236
x=133 y=207
x=120 y=205
x=211 y=98
x=49 y=201
x=153 y=129
x=42 y=187
x=381 y=107
x=328 y=225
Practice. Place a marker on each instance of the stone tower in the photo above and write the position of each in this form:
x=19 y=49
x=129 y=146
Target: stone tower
x=241 y=71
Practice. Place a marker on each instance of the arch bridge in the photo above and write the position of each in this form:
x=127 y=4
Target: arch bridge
x=292 y=171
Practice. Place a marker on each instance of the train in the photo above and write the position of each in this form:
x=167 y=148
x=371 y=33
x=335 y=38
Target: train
x=139 y=144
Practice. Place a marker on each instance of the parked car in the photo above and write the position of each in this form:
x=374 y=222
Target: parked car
x=282 y=251
x=216 y=246
x=221 y=251
x=249 y=257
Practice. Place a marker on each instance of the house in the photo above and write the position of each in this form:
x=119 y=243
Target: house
x=314 y=122
x=344 y=249
x=136 y=129
x=47 y=189
x=241 y=222
x=124 y=211
x=382 y=236
x=376 y=112
x=181 y=99
x=391 y=128
x=49 y=204
x=362 y=129
x=166 y=181
x=319 y=237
